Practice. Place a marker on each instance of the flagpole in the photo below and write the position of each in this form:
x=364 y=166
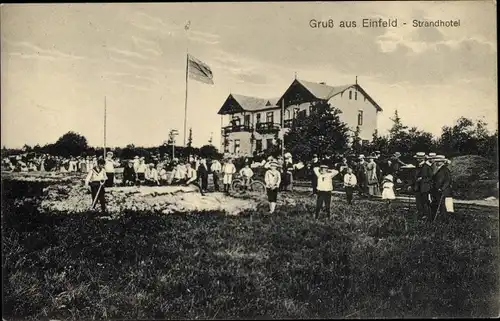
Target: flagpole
x=104 y=150
x=283 y=127
x=186 y=98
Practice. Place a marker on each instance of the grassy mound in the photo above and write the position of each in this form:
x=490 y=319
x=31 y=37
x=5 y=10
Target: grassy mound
x=474 y=177
x=369 y=261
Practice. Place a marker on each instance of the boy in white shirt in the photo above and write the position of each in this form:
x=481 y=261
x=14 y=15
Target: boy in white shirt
x=246 y=174
x=324 y=188
x=350 y=183
x=272 y=179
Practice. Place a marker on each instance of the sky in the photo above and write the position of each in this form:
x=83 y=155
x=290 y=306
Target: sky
x=59 y=61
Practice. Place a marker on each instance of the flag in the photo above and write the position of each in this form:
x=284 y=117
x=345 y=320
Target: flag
x=200 y=71
x=188 y=24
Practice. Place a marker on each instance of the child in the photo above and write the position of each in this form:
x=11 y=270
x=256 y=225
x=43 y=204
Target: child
x=246 y=174
x=350 y=182
x=273 y=181
x=388 y=189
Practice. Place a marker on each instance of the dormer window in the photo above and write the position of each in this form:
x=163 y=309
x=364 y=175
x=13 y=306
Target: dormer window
x=355 y=95
x=350 y=94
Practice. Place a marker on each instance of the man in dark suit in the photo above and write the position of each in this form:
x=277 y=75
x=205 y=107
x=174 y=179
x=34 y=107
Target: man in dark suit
x=441 y=187
x=423 y=184
x=203 y=174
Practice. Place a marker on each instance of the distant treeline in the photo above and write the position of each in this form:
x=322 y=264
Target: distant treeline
x=320 y=133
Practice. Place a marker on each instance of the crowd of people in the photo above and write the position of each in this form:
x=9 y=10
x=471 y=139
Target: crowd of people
x=370 y=176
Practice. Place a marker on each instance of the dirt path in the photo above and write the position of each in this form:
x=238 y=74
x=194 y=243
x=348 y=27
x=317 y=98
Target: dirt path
x=488 y=203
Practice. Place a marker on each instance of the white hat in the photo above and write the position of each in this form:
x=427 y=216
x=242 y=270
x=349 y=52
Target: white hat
x=432 y=155
x=440 y=158
x=420 y=155
x=288 y=155
x=389 y=178
x=361 y=156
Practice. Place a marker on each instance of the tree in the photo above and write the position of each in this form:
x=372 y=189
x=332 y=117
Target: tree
x=70 y=144
x=399 y=139
x=209 y=151
x=190 y=138
x=356 y=141
x=380 y=143
x=319 y=133
x=397 y=127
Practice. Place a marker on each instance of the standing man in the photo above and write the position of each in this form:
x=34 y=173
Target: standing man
x=361 y=174
x=110 y=169
x=203 y=174
x=288 y=168
x=441 y=187
x=96 y=179
x=314 y=179
x=423 y=182
x=394 y=164
x=141 y=171
x=324 y=188
x=228 y=170
x=129 y=174
x=216 y=169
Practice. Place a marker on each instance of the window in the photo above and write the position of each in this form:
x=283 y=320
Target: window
x=301 y=114
x=236 y=146
x=269 y=142
x=360 y=117
x=270 y=117
x=258 y=118
x=236 y=121
x=258 y=145
x=350 y=94
x=247 y=120
x=311 y=110
x=287 y=114
x=355 y=95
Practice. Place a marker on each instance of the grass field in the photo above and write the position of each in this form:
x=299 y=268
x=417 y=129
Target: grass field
x=368 y=261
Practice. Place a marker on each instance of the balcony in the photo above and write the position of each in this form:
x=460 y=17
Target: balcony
x=236 y=129
x=267 y=128
x=289 y=123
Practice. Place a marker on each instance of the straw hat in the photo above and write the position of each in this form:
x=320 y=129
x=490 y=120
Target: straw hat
x=440 y=158
x=323 y=166
x=273 y=164
x=136 y=157
x=388 y=178
x=420 y=155
x=432 y=155
x=397 y=154
x=361 y=156
x=288 y=155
